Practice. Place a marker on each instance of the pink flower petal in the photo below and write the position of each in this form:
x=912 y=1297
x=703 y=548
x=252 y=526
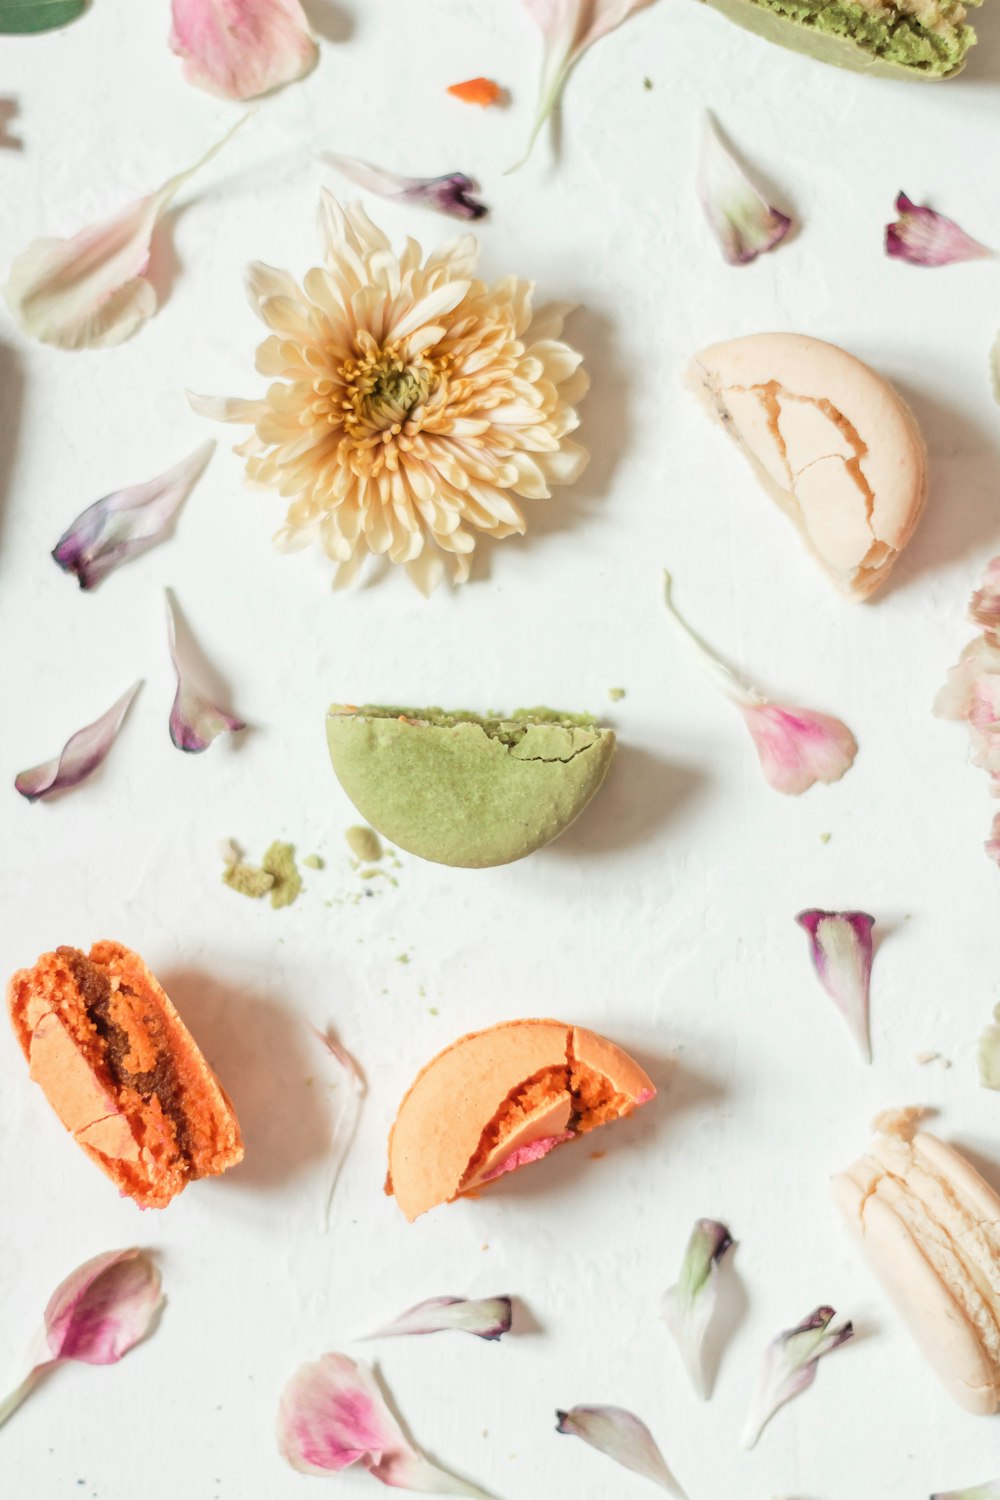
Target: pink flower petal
x=242 y=48
x=486 y=1318
x=194 y=720
x=744 y=224
x=452 y=194
x=91 y=291
x=972 y=691
x=333 y=1415
x=127 y=522
x=984 y=606
x=924 y=237
x=789 y=1367
x=622 y=1436
x=82 y=753
x=841 y=947
x=798 y=747
x=688 y=1307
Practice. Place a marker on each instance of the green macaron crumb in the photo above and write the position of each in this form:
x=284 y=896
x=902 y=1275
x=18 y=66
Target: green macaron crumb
x=616 y=694
x=364 y=844
x=279 y=862
x=313 y=862
x=825 y=838
x=247 y=880
x=881 y=37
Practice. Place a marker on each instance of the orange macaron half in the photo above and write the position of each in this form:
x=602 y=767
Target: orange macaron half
x=122 y=1071
x=500 y=1099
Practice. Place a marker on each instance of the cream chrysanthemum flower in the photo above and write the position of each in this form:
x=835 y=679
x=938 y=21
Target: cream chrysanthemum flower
x=412 y=404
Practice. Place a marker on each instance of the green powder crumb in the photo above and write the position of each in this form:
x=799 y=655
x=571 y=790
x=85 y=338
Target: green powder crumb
x=313 y=862
x=279 y=861
x=825 y=838
x=248 y=880
x=616 y=694
x=402 y=958
x=647 y=83
x=422 y=991
x=364 y=843
x=432 y=1010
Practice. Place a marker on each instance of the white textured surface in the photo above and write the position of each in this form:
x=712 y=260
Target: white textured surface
x=665 y=918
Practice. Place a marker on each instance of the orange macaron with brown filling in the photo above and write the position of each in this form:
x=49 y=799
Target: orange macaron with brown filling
x=497 y=1100
x=122 y=1071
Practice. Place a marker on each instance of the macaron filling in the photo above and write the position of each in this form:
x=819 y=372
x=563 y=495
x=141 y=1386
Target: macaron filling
x=930 y=37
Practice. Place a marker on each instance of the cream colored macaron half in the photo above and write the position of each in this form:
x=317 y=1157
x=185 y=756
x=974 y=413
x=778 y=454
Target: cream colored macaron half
x=930 y=1227
x=830 y=440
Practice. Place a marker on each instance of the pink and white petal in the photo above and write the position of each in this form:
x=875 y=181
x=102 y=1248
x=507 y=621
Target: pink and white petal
x=195 y=721
x=842 y=949
x=743 y=222
x=789 y=1367
x=486 y=1318
x=104 y=1308
x=923 y=237
x=622 y=1436
x=79 y=757
x=797 y=747
x=239 y=49
x=689 y=1305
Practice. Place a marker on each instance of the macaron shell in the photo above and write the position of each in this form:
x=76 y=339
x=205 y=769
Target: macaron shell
x=604 y=1057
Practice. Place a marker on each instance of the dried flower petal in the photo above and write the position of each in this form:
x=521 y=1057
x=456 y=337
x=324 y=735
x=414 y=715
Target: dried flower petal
x=333 y=1415
x=127 y=522
x=569 y=27
x=688 y=1306
x=796 y=747
x=841 y=946
x=486 y=1317
x=984 y=606
x=194 y=720
x=451 y=194
x=481 y=91
x=100 y=1312
x=924 y=237
x=972 y=691
x=622 y=1436
x=91 y=291
x=345 y=1126
x=82 y=753
x=743 y=222
x=988 y=1491
x=789 y=1367
x=242 y=48
x=988 y=1053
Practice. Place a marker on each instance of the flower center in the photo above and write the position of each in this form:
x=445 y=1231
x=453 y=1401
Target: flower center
x=382 y=390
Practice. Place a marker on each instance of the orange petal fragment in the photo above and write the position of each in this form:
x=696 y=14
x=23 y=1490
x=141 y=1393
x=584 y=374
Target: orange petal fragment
x=477 y=91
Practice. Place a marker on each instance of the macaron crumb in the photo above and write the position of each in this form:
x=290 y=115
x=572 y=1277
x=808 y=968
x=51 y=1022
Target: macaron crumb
x=277 y=875
x=825 y=838
x=247 y=880
x=364 y=844
x=313 y=862
x=616 y=694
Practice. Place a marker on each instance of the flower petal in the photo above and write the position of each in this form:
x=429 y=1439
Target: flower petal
x=988 y=1053
x=984 y=606
x=972 y=690
x=194 y=721
x=333 y=1415
x=924 y=237
x=744 y=224
x=487 y=1318
x=789 y=1367
x=127 y=522
x=91 y=291
x=988 y=1491
x=623 y=1437
x=82 y=753
x=688 y=1306
x=345 y=1125
x=242 y=48
x=481 y=91
x=841 y=945
x=452 y=194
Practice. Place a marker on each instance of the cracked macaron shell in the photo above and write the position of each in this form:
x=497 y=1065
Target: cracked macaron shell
x=456 y=1097
x=829 y=439
x=930 y=1227
x=464 y=791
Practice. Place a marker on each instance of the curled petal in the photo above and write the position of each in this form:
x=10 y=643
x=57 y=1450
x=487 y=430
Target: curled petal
x=127 y=522
x=194 y=720
x=924 y=237
x=688 y=1306
x=333 y=1415
x=82 y=753
x=345 y=1125
x=91 y=291
x=242 y=48
x=789 y=1367
x=452 y=194
x=988 y=1491
x=622 y=1436
x=798 y=747
x=487 y=1318
x=744 y=224
x=841 y=946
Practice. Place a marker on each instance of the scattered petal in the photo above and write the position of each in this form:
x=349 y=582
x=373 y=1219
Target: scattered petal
x=481 y=91
x=333 y=1415
x=9 y=111
x=743 y=222
x=82 y=753
x=924 y=237
x=487 y=1318
x=796 y=747
x=984 y=606
x=841 y=946
x=623 y=1437
x=789 y=1367
x=972 y=691
x=100 y=1312
x=988 y=1053
x=242 y=48
x=127 y=522
x=451 y=194
x=688 y=1306
x=989 y=1491
x=569 y=27
x=194 y=721
x=345 y=1126
x=91 y=291
x=23 y=16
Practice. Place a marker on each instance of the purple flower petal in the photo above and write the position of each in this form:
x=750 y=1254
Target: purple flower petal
x=789 y=1367
x=487 y=1318
x=452 y=194
x=841 y=946
x=622 y=1436
x=744 y=224
x=128 y=522
x=688 y=1306
x=924 y=237
x=194 y=721
x=82 y=753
